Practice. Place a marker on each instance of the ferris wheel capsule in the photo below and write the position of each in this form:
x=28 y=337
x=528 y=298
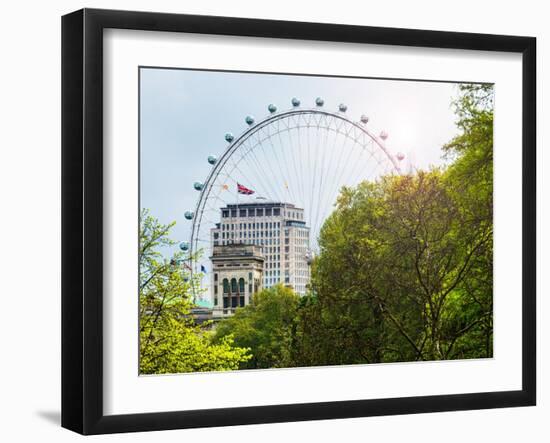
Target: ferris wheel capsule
x=184 y=246
x=272 y=108
x=383 y=135
x=198 y=186
x=319 y=101
x=212 y=159
x=249 y=120
x=364 y=119
x=229 y=137
x=400 y=156
x=188 y=215
x=295 y=102
x=342 y=107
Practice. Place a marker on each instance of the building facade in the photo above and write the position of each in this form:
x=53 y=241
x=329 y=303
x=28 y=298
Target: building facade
x=279 y=229
x=237 y=271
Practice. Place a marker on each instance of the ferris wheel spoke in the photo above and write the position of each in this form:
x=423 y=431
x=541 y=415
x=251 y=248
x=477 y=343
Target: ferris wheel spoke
x=347 y=162
x=292 y=154
x=251 y=159
x=285 y=167
x=320 y=197
x=280 y=167
x=271 y=171
x=305 y=144
x=305 y=139
x=217 y=196
x=264 y=174
x=336 y=181
x=258 y=169
x=365 y=162
x=339 y=170
x=291 y=184
x=361 y=160
x=236 y=168
x=375 y=164
x=308 y=177
x=301 y=179
x=297 y=147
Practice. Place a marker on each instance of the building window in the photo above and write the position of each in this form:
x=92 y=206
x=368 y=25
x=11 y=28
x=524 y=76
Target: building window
x=216 y=276
x=225 y=213
x=241 y=301
x=226 y=302
x=259 y=212
x=268 y=212
x=234 y=302
x=233 y=212
x=234 y=285
x=216 y=290
x=250 y=288
x=226 y=286
x=242 y=213
x=215 y=301
x=241 y=285
x=276 y=212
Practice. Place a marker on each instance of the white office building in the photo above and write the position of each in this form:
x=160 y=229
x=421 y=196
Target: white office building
x=279 y=229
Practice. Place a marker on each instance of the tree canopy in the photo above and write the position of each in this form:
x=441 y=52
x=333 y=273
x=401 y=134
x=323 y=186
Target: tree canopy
x=265 y=326
x=404 y=273
x=170 y=341
x=405 y=266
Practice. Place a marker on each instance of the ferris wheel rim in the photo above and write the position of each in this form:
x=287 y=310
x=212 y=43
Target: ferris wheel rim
x=237 y=142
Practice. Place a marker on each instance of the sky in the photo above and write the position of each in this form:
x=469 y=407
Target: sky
x=184 y=115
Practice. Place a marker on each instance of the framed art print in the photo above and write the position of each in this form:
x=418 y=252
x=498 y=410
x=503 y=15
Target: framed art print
x=270 y=221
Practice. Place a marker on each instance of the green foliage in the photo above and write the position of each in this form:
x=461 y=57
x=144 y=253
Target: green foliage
x=266 y=326
x=404 y=272
x=405 y=269
x=170 y=341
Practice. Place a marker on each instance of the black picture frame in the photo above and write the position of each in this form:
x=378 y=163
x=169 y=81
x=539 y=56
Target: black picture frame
x=82 y=219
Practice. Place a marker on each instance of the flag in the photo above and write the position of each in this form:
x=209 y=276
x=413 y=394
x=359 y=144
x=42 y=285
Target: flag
x=203 y=269
x=243 y=190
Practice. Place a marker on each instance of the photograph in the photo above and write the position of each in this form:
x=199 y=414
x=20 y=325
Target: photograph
x=291 y=220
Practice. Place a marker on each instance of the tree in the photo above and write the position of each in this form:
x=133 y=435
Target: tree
x=266 y=326
x=405 y=266
x=170 y=341
x=470 y=179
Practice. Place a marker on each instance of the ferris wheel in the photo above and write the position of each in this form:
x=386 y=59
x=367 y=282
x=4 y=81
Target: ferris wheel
x=302 y=156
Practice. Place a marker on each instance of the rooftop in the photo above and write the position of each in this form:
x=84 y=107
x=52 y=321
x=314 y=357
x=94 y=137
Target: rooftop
x=261 y=204
x=237 y=250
